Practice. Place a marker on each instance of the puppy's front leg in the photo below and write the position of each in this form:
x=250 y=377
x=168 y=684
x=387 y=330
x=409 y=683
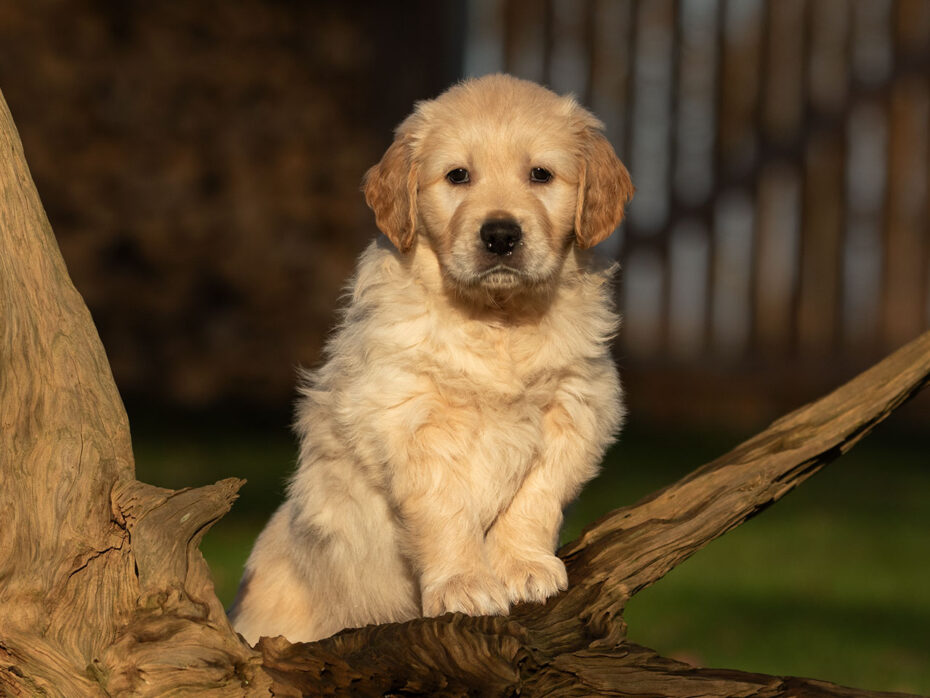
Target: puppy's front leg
x=443 y=535
x=521 y=544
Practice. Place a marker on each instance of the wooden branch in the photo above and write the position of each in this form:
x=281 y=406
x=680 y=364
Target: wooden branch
x=651 y=537
x=105 y=592
x=574 y=644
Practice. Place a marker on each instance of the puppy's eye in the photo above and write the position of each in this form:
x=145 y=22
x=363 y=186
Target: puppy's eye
x=458 y=176
x=540 y=175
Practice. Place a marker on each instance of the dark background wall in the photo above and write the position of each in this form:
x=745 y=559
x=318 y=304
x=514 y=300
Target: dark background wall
x=200 y=163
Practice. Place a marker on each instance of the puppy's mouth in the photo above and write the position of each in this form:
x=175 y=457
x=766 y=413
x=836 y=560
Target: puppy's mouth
x=502 y=276
x=500 y=260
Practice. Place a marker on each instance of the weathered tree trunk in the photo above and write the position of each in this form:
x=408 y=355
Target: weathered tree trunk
x=102 y=586
x=103 y=589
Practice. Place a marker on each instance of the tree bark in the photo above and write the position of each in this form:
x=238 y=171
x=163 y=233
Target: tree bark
x=104 y=590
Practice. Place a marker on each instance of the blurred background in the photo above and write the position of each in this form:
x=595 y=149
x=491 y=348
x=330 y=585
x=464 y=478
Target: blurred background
x=200 y=163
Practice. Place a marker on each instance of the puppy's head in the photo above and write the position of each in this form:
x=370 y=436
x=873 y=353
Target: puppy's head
x=500 y=176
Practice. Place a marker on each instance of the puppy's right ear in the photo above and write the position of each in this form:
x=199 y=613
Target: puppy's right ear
x=391 y=192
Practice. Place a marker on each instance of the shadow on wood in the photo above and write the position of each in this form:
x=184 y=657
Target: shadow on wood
x=105 y=591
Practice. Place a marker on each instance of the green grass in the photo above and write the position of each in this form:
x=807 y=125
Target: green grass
x=833 y=582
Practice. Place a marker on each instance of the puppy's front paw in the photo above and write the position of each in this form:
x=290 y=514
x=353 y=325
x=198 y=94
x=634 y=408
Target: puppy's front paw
x=533 y=578
x=472 y=594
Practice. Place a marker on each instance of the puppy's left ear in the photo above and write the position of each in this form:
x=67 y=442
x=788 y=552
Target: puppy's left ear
x=391 y=192
x=604 y=188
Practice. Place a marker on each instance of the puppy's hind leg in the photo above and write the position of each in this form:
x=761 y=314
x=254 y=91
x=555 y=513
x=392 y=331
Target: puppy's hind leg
x=273 y=597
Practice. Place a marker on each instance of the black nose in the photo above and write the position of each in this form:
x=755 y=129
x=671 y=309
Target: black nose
x=500 y=236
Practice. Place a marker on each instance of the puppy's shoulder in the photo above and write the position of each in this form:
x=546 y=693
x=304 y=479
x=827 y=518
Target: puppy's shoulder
x=383 y=311
x=585 y=309
x=380 y=269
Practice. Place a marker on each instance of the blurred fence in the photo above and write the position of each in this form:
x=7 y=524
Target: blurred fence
x=200 y=162
x=780 y=153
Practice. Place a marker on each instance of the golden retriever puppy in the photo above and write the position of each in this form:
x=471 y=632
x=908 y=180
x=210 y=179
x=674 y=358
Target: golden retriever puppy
x=469 y=391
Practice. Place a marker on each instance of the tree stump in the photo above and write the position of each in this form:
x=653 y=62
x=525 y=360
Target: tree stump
x=104 y=590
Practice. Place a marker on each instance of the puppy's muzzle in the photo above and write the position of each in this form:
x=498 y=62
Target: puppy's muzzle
x=500 y=236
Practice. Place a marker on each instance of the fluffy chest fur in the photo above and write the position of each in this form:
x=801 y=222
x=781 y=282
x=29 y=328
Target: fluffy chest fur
x=409 y=365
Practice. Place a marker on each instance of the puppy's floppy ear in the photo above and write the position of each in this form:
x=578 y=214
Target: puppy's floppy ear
x=604 y=188
x=391 y=192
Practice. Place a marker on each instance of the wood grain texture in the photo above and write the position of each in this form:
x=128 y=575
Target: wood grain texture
x=104 y=590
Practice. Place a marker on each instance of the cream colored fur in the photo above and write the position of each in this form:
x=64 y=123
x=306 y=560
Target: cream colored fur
x=466 y=396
